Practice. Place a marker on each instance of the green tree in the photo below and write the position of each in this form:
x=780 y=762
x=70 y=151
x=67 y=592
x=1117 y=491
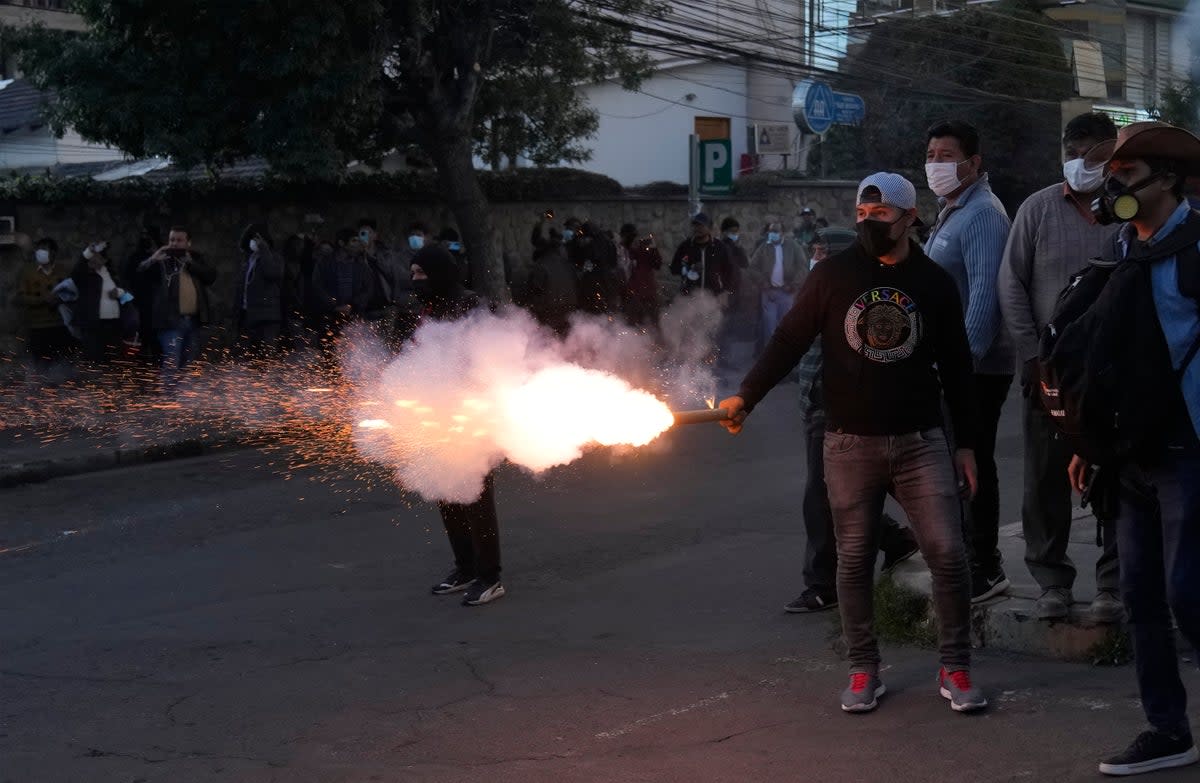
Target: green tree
x=207 y=82
x=529 y=106
x=1001 y=68
x=1179 y=105
x=311 y=85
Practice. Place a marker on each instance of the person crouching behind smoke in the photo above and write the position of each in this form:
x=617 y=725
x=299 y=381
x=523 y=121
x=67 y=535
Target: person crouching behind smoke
x=473 y=529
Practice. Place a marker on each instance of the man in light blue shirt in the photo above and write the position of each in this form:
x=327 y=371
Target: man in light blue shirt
x=1158 y=516
x=968 y=241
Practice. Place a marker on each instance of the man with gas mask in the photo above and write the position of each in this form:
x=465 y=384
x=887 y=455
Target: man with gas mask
x=1150 y=299
x=1052 y=235
x=891 y=328
x=473 y=528
x=968 y=242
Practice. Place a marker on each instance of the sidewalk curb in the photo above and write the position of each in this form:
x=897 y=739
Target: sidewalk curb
x=1008 y=623
x=36 y=471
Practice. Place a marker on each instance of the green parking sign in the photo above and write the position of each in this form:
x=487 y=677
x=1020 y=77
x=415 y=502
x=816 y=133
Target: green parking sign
x=716 y=166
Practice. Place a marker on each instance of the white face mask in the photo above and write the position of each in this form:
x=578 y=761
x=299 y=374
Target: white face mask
x=942 y=177
x=1080 y=178
x=42 y=256
x=253 y=245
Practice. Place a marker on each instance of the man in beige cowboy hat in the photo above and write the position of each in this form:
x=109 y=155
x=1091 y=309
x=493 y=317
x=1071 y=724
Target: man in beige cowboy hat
x=1158 y=519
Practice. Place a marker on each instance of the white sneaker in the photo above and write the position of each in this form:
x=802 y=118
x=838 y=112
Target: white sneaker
x=481 y=593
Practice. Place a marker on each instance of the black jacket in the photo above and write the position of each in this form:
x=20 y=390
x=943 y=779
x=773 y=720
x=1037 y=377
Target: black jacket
x=444 y=297
x=324 y=289
x=595 y=259
x=384 y=279
x=552 y=292
x=894 y=341
x=162 y=278
x=90 y=286
x=258 y=297
x=710 y=260
x=738 y=260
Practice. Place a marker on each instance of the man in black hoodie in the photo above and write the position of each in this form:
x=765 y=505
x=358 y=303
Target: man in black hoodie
x=473 y=528
x=892 y=330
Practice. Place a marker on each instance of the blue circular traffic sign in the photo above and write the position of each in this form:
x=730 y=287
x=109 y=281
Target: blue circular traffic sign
x=813 y=106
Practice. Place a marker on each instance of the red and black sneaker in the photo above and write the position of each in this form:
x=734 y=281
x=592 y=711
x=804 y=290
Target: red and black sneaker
x=863 y=693
x=956 y=686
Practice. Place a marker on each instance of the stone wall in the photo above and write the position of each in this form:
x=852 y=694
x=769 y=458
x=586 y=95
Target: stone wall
x=215 y=227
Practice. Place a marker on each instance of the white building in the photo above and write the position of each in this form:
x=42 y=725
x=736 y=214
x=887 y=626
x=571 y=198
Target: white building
x=26 y=141
x=643 y=136
x=1157 y=49
x=703 y=81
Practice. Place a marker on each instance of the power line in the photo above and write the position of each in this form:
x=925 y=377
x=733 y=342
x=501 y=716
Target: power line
x=750 y=29
x=776 y=66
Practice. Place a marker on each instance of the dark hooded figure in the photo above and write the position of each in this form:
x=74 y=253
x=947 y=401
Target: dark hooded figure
x=552 y=288
x=437 y=282
x=259 y=289
x=473 y=528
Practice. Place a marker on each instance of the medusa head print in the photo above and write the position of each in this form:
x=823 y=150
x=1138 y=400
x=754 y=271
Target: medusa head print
x=883 y=325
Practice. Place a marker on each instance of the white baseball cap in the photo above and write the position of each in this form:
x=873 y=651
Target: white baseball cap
x=885 y=187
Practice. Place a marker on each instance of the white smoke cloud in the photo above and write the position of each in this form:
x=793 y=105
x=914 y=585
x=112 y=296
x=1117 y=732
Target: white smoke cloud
x=689 y=331
x=467 y=395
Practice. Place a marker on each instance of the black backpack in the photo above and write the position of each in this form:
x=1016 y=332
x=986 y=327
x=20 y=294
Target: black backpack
x=1105 y=371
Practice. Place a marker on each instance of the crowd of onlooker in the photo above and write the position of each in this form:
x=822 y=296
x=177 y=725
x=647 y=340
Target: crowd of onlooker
x=157 y=304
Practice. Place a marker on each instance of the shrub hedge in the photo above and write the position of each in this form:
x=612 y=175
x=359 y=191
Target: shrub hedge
x=516 y=185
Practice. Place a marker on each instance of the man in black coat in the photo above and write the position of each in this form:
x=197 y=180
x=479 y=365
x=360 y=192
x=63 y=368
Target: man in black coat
x=473 y=528
x=179 y=278
x=259 y=292
x=552 y=289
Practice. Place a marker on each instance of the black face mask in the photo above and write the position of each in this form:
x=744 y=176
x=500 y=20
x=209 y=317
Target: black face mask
x=422 y=290
x=1117 y=202
x=875 y=236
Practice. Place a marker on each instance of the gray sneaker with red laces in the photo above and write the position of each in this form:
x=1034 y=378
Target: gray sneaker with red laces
x=863 y=693
x=963 y=694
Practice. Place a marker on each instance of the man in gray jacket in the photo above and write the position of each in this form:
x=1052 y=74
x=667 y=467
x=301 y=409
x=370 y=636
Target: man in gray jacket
x=1053 y=236
x=778 y=268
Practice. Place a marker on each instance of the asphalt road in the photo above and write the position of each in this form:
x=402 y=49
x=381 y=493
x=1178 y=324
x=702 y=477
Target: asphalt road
x=222 y=619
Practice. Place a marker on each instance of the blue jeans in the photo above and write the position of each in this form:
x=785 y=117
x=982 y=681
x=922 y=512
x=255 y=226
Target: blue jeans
x=1158 y=544
x=178 y=345
x=917 y=469
x=775 y=304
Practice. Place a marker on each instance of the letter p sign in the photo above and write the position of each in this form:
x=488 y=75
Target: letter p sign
x=716 y=166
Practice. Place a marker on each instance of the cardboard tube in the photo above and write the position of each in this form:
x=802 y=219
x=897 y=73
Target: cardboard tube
x=700 y=416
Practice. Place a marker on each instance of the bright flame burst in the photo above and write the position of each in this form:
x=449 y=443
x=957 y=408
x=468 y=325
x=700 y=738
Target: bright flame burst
x=540 y=419
x=561 y=409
